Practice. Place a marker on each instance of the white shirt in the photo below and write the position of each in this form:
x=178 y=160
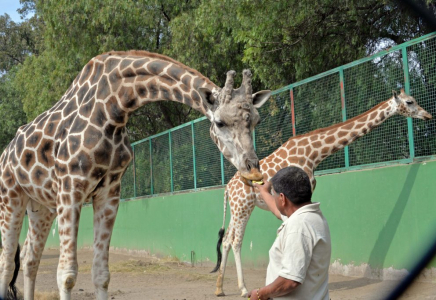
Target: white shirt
x=301 y=252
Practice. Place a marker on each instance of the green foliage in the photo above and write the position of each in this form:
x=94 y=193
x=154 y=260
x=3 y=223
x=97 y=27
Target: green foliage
x=11 y=112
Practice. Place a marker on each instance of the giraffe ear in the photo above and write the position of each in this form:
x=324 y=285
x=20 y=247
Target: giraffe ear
x=260 y=98
x=207 y=96
x=394 y=93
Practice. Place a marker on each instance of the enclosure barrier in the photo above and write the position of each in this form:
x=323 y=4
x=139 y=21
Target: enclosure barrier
x=185 y=158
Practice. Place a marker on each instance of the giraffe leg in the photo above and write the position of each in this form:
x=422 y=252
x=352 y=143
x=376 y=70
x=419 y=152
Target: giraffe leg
x=39 y=228
x=11 y=220
x=68 y=211
x=105 y=205
x=242 y=221
x=226 y=249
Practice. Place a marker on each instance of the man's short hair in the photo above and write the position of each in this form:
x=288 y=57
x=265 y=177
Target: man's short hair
x=294 y=183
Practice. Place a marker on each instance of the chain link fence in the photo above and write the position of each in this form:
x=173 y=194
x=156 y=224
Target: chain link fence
x=185 y=158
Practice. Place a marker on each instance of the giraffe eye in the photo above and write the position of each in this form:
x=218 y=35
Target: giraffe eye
x=219 y=124
x=409 y=102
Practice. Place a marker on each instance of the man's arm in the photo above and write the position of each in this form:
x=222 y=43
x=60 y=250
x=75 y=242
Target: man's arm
x=265 y=192
x=279 y=287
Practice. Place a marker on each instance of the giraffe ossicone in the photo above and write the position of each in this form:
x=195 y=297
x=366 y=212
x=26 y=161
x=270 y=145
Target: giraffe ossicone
x=79 y=149
x=306 y=151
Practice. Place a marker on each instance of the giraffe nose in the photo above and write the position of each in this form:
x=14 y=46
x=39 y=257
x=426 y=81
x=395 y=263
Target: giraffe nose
x=252 y=164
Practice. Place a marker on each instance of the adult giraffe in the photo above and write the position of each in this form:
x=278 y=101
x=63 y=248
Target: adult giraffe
x=306 y=151
x=79 y=150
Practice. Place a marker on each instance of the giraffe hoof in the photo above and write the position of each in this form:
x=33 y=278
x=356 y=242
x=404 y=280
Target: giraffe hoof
x=219 y=293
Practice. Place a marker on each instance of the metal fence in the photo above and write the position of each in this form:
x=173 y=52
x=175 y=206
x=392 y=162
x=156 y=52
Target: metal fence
x=185 y=158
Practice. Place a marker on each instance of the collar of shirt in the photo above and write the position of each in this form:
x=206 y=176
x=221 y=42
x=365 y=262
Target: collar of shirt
x=313 y=207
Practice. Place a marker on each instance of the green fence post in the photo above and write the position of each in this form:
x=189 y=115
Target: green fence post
x=134 y=171
x=193 y=155
x=344 y=112
x=407 y=90
x=151 y=168
x=171 y=162
x=291 y=95
x=222 y=168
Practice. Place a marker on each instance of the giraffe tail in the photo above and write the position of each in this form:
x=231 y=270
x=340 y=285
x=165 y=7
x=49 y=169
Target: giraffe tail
x=221 y=236
x=12 y=292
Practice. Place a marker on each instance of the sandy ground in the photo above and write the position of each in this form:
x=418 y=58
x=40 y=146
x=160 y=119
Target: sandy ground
x=141 y=277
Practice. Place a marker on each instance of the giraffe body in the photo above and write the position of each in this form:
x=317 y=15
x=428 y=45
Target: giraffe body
x=305 y=151
x=79 y=149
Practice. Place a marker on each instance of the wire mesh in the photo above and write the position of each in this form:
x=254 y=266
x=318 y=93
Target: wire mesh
x=367 y=85
x=161 y=164
x=422 y=74
x=207 y=156
x=183 y=165
x=143 y=169
x=317 y=104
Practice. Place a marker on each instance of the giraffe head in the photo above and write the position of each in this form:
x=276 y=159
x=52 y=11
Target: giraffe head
x=233 y=115
x=407 y=106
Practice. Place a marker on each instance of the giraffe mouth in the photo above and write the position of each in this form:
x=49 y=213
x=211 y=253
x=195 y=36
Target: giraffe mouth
x=254 y=174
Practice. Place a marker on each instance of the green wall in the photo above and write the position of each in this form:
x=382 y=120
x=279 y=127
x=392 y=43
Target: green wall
x=384 y=217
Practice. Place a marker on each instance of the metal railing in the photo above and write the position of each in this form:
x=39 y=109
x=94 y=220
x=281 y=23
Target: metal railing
x=185 y=158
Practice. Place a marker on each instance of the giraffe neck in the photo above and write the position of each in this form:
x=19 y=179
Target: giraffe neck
x=125 y=81
x=325 y=142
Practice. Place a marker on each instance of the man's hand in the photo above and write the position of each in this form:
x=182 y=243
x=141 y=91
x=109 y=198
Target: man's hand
x=265 y=187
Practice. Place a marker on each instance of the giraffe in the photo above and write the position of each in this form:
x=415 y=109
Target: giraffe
x=306 y=151
x=79 y=149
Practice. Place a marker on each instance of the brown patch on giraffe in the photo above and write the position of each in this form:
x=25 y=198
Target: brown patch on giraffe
x=116 y=114
x=98 y=116
x=110 y=64
x=45 y=153
x=330 y=140
x=141 y=90
x=303 y=142
x=82 y=95
x=86 y=72
x=308 y=150
x=28 y=159
x=156 y=67
x=128 y=73
x=125 y=63
x=103 y=90
x=293 y=151
x=92 y=137
x=102 y=154
x=115 y=80
x=282 y=153
x=343 y=142
x=300 y=151
x=22 y=176
x=39 y=175
x=127 y=96
x=85 y=109
x=153 y=89
x=317 y=144
x=342 y=134
x=34 y=139
x=186 y=86
x=80 y=164
x=121 y=158
x=314 y=155
x=358 y=126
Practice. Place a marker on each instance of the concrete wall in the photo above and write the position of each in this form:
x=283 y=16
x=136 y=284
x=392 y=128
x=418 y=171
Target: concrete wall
x=380 y=221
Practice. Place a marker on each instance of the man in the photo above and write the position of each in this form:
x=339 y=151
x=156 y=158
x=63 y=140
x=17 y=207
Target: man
x=300 y=256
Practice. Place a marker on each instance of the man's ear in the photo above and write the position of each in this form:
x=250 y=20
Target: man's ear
x=260 y=98
x=207 y=96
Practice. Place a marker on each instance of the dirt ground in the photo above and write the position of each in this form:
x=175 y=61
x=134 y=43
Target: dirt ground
x=144 y=277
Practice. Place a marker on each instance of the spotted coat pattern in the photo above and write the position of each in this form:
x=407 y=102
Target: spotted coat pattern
x=78 y=151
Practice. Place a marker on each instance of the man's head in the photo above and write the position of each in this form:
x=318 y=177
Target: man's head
x=294 y=184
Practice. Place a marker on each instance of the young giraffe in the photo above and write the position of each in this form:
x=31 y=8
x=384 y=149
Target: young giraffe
x=79 y=150
x=306 y=151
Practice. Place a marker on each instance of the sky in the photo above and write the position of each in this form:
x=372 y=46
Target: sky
x=10 y=7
